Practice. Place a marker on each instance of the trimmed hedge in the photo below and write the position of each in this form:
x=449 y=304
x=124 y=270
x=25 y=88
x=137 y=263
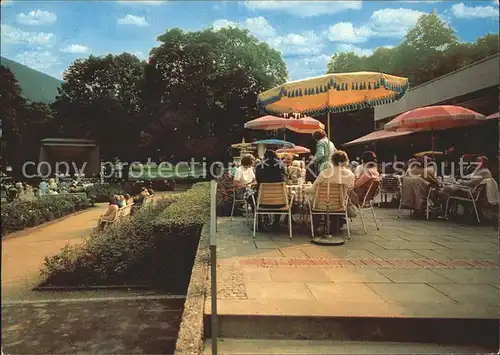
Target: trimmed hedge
x=20 y=214
x=155 y=246
x=102 y=192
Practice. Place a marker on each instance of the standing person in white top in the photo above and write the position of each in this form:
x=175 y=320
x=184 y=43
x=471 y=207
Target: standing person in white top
x=324 y=150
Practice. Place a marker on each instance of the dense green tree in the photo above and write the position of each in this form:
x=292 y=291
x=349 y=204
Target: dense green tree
x=11 y=114
x=200 y=87
x=100 y=99
x=430 y=49
x=430 y=33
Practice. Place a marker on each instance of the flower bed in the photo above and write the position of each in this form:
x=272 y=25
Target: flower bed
x=225 y=188
x=154 y=247
x=19 y=214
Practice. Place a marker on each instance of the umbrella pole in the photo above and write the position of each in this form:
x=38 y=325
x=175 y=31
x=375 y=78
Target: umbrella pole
x=432 y=144
x=328 y=123
x=284 y=134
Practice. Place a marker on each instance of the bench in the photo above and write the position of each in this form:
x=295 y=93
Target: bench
x=121 y=213
x=148 y=200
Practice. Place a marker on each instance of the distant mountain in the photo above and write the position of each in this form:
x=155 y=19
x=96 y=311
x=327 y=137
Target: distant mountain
x=35 y=85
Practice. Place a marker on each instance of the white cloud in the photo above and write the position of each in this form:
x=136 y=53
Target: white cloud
x=290 y=44
x=39 y=60
x=140 y=55
x=305 y=8
x=141 y=2
x=133 y=20
x=308 y=67
x=37 y=17
x=347 y=47
x=393 y=23
x=258 y=26
x=12 y=35
x=347 y=32
x=463 y=11
x=75 y=48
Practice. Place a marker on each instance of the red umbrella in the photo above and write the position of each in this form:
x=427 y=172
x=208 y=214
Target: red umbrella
x=295 y=150
x=434 y=118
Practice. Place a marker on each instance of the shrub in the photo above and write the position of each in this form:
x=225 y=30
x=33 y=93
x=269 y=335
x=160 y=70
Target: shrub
x=153 y=246
x=102 y=192
x=225 y=189
x=19 y=214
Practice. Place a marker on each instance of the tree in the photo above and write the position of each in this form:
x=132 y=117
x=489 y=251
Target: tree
x=202 y=86
x=430 y=33
x=430 y=49
x=100 y=99
x=345 y=62
x=11 y=113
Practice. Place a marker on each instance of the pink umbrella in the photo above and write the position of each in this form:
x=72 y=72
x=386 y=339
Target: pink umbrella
x=304 y=125
x=295 y=150
x=493 y=116
x=433 y=118
x=267 y=123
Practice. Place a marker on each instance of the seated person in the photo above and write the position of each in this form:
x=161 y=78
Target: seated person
x=337 y=173
x=423 y=167
x=270 y=170
x=144 y=192
x=128 y=199
x=473 y=180
x=369 y=173
x=121 y=201
x=244 y=175
x=293 y=173
x=110 y=214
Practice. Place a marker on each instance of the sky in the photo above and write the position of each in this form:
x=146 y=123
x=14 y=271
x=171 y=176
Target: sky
x=50 y=35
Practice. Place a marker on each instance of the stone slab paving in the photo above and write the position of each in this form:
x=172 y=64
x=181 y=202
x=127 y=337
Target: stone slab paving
x=410 y=267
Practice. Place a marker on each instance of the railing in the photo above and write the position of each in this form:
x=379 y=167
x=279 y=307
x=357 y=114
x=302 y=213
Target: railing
x=213 y=262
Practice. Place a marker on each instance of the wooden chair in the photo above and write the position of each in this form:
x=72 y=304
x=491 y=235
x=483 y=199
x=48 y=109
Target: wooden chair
x=368 y=203
x=273 y=199
x=330 y=198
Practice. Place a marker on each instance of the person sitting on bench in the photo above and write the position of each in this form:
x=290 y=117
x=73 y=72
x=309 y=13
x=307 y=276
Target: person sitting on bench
x=110 y=213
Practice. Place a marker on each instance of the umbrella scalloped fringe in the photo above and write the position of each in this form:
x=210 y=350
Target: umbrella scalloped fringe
x=398 y=92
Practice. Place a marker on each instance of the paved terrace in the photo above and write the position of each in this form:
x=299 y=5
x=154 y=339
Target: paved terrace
x=410 y=268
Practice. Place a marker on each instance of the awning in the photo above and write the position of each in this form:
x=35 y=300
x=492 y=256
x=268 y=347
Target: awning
x=377 y=136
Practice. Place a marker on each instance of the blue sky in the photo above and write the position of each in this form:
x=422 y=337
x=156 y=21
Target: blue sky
x=48 y=36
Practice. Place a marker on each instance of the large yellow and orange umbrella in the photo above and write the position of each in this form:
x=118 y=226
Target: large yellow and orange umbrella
x=333 y=93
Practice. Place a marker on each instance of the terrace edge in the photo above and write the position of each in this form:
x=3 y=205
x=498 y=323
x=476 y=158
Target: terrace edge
x=190 y=339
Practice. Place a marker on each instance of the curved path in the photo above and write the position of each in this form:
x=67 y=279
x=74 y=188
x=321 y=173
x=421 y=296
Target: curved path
x=23 y=256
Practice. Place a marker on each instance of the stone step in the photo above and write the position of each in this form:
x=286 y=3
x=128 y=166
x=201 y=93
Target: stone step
x=480 y=332
x=232 y=346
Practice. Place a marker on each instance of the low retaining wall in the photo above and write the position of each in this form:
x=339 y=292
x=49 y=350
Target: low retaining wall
x=191 y=333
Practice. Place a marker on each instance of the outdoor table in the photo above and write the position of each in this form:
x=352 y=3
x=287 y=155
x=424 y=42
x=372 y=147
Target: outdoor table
x=298 y=190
